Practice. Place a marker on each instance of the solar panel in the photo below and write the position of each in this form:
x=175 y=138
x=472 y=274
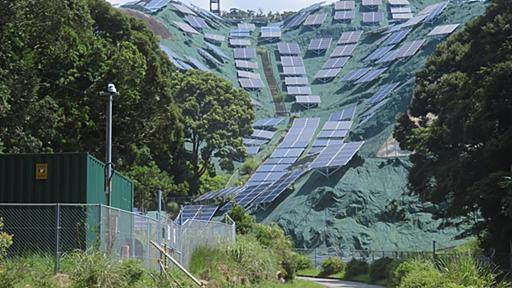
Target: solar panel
x=289 y=160
x=246 y=74
x=172 y=56
x=296 y=81
x=197 y=64
x=336 y=155
x=372 y=2
x=326 y=142
x=287 y=153
x=185 y=27
x=433 y=10
x=250 y=84
x=272 y=168
x=271 y=32
x=297 y=20
x=208 y=14
x=262 y=134
x=247 y=26
x=236 y=42
x=373 y=17
x=301 y=133
x=288 y=48
x=399 y=2
x=350 y=37
x=372 y=111
x=315 y=19
x=292 y=61
x=413 y=21
x=239 y=35
x=355 y=74
x=308 y=100
x=196 y=22
x=337 y=125
x=379 y=53
x=333 y=63
x=371 y=75
x=267 y=177
x=332 y=134
x=298 y=90
x=215 y=38
x=345 y=5
x=409 y=48
x=197 y=212
x=345 y=15
x=254 y=142
x=238 y=30
x=346 y=114
x=217 y=51
x=327 y=73
x=388 y=57
x=401 y=16
x=252 y=150
x=297 y=71
x=244 y=53
x=383 y=92
x=209 y=57
x=228 y=192
x=443 y=29
x=343 y=50
x=269 y=122
x=155 y=5
x=398 y=10
x=183 y=9
x=396 y=37
x=243 y=64
x=270 y=194
x=320 y=44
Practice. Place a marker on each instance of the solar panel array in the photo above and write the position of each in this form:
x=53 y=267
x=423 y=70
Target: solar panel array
x=291 y=61
x=197 y=64
x=300 y=134
x=327 y=73
x=219 y=194
x=294 y=71
x=396 y=37
x=400 y=10
x=173 y=57
x=372 y=2
x=350 y=37
x=183 y=9
x=215 y=38
x=296 y=81
x=335 y=156
x=443 y=29
x=379 y=53
x=372 y=111
x=333 y=63
x=271 y=32
x=308 y=100
x=355 y=74
x=155 y=5
x=383 y=92
x=217 y=51
x=209 y=57
x=239 y=33
x=409 y=48
x=399 y=2
x=247 y=74
x=197 y=213
x=345 y=5
x=346 y=114
x=237 y=42
x=315 y=19
x=373 y=17
x=297 y=20
x=288 y=49
x=247 y=26
x=267 y=123
x=185 y=27
x=298 y=90
x=244 y=53
x=244 y=64
x=254 y=142
x=344 y=15
x=343 y=50
x=196 y=22
x=401 y=16
x=371 y=75
x=319 y=44
x=251 y=84
x=273 y=191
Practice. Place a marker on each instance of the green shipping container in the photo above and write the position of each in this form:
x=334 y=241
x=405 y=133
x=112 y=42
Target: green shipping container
x=76 y=178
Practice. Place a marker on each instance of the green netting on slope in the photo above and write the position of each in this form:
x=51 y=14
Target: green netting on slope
x=363 y=206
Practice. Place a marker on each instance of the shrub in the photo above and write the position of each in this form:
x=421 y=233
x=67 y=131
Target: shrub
x=249 y=166
x=381 y=268
x=303 y=262
x=244 y=222
x=93 y=269
x=332 y=266
x=356 y=267
x=5 y=240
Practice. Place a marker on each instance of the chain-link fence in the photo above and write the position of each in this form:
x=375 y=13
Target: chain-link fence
x=55 y=229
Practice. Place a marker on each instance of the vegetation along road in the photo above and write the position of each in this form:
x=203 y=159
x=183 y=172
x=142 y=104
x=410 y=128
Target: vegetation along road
x=335 y=283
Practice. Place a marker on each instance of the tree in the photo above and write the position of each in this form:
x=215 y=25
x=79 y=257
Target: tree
x=217 y=117
x=459 y=125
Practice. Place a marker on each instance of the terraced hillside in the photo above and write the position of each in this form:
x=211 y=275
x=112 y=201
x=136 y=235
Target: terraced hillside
x=363 y=205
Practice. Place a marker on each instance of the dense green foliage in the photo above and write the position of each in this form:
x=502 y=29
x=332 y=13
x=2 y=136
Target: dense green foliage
x=460 y=126
x=332 y=266
x=5 y=241
x=356 y=267
x=55 y=58
x=381 y=268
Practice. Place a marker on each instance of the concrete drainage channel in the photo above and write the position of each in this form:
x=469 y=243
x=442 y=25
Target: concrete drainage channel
x=335 y=283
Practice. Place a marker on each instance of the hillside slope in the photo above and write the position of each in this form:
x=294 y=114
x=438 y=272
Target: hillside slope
x=365 y=205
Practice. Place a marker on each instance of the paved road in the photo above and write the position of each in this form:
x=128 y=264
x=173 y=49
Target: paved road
x=334 y=283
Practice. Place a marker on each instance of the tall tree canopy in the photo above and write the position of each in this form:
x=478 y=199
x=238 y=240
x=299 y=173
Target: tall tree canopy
x=459 y=125
x=55 y=58
x=217 y=116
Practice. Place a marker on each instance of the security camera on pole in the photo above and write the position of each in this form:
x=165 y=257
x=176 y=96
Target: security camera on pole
x=111 y=92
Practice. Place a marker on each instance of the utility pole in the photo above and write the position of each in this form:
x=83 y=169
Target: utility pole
x=110 y=93
x=215 y=7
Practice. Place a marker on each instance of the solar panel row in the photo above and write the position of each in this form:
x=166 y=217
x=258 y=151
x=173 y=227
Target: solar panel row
x=288 y=49
x=373 y=17
x=344 y=15
x=209 y=57
x=271 y=32
x=355 y=74
x=319 y=44
x=344 y=5
x=371 y=75
x=267 y=123
x=244 y=53
x=291 y=61
x=197 y=213
x=247 y=74
x=343 y=50
x=315 y=19
x=350 y=37
x=215 y=38
x=237 y=42
x=383 y=92
x=379 y=53
x=327 y=73
x=443 y=29
x=244 y=64
x=217 y=51
x=251 y=84
x=183 y=9
x=196 y=22
x=185 y=27
x=346 y=114
x=296 y=81
x=336 y=155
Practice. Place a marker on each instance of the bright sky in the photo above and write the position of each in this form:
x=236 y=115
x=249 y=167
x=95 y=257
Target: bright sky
x=265 y=5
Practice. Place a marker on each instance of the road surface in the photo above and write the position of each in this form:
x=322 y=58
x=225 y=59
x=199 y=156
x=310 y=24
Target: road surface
x=334 y=283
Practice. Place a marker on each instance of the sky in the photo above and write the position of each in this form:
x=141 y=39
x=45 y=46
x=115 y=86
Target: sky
x=265 y=5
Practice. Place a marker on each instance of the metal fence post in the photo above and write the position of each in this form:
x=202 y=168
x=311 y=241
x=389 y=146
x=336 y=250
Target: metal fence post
x=57 y=239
